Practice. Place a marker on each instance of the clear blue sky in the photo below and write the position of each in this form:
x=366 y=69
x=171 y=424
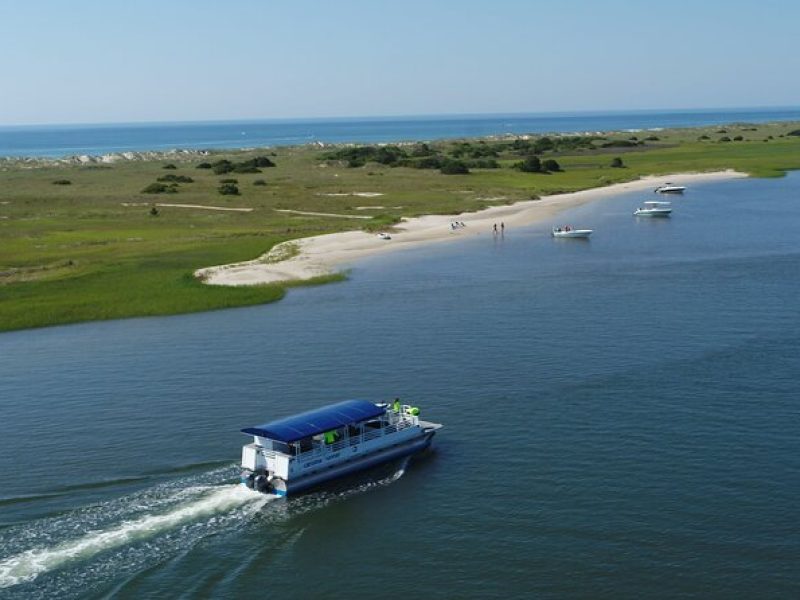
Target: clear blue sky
x=143 y=60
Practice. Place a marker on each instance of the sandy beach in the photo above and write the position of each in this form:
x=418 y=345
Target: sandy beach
x=326 y=254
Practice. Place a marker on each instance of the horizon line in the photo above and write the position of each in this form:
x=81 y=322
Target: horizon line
x=389 y=117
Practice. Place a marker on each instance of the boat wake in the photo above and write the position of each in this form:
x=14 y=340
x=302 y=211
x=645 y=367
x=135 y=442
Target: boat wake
x=160 y=517
x=68 y=554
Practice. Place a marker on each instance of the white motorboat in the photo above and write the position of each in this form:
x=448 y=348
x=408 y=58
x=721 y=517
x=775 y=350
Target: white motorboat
x=293 y=454
x=570 y=232
x=384 y=236
x=651 y=208
x=669 y=188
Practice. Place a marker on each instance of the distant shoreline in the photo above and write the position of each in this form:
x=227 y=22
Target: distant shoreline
x=325 y=255
x=65 y=142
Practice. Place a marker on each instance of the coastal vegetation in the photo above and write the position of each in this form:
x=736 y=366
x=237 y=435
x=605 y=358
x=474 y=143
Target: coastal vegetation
x=92 y=249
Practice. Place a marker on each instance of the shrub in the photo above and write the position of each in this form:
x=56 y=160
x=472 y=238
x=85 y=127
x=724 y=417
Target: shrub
x=704 y=137
x=176 y=178
x=229 y=181
x=429 y=162
x=483 y=163
x=169 y=166
x=722 y=131
x=618 y=144
x=724 y=138
x=617 y=163
x=156 y=188
x=454 y=167
x=551 y=165
x=259 y=182
x=354 y=163
x=259 y=161
x=531 y=164
x=204 y=165
x=153 y=211
x=738 y=138
x=222 y=166
x=62 y=182
x=652 y=138
x=228 y=189
x=795 y=132
x=245 y=168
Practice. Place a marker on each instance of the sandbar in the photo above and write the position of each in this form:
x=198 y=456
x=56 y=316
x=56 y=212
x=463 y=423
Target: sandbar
x=327 y=254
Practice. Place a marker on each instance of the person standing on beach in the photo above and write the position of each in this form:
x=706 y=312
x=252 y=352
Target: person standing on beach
x=502 y=228
x=495 y=228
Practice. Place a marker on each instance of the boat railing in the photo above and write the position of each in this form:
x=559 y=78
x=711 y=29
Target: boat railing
x=319 y=447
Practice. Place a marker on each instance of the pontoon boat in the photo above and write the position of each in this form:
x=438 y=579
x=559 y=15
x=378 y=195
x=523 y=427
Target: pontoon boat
x=295 y=453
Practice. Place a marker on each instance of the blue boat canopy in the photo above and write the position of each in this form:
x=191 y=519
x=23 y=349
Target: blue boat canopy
x=316 y=421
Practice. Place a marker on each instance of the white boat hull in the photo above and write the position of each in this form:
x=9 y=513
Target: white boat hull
x=653 y=213
x=573 y=233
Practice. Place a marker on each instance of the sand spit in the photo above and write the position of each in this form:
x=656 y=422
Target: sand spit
x=325 y=254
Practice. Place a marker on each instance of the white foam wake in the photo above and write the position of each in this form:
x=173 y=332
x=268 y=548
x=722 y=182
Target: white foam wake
x=212 y=500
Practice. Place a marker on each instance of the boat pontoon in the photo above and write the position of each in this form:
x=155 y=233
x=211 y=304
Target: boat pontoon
x=293 y=454
x=652 y=208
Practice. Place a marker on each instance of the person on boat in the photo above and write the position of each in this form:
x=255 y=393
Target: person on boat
x=567 y=228
x=331 y=437
x=396 y=405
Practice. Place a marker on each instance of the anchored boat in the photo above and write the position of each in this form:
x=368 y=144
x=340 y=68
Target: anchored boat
x=570 y=232
x=669 y=188
x=651 y=208
x=293 y=454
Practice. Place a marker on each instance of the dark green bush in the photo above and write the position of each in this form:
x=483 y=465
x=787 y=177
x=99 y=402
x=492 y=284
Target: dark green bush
x=617 y=163
x=204 y=165
x=531 y=164
x=551 y=165
x=795 y=132
x=222 y=166
x=156 y=188
x=228 y=189
x=738 y=138
x=259 y=182
x=618 y=144
x=229 y=181
x=169 y=166
x=62 y=182
x=454 y=167
x=724 y=138
x=176 y=178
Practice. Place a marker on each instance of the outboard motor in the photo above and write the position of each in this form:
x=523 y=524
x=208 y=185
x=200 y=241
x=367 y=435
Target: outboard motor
x=248 y=477
x=261 y=484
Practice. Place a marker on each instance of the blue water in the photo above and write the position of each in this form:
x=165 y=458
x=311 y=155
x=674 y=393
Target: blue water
x=621 y=421
x=64 y=140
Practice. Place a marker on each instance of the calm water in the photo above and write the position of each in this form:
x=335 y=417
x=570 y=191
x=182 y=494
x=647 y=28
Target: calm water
x=64 y=140
x=621 y=422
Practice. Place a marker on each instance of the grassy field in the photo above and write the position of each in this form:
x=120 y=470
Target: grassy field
x=92 y=249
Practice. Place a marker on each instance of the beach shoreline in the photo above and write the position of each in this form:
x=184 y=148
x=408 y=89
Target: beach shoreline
x=307 y=258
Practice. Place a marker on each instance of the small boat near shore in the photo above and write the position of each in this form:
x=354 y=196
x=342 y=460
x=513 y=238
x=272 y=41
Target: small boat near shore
x=296 y=453
x=653 y=208
x=669 y=188
x=570 y=232
x=384 y=236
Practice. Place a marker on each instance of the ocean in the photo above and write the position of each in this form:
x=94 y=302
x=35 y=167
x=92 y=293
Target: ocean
x=69 y=140
x=620 y=422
